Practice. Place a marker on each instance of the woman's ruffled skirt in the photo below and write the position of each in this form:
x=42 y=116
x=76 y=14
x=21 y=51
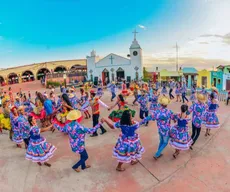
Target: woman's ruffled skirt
x=115 y=116
x=211 y=120
x=17 y=136
x=85 y=106
x=180 y=140
x=39 y=150
x=128 y=149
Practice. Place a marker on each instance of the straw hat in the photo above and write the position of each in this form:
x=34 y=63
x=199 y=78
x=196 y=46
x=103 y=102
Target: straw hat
x=203 y=86
x=214 y=89
x=164 y=100
x=4 y=100
x=201 y=98
x=17 y=97
x=113 y=82
x=74 y=115
x=20 y=108
x=71 y=95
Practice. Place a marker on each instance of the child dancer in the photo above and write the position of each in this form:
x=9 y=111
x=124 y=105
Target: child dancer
x=39 y=151
x=179 y=134
x=211 y=119
x=143 y=101
x=112 y=88
x=198 y=112
x=77 y=134
x=128 y=148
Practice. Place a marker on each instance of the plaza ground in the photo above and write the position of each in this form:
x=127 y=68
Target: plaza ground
x=205 y=169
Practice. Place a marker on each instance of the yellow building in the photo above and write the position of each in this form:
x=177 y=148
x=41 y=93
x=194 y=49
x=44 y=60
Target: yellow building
x=165 y=75
x=204 y=78
x=37 y=71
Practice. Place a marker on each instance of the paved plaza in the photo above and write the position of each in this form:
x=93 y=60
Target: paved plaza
x=205 y=169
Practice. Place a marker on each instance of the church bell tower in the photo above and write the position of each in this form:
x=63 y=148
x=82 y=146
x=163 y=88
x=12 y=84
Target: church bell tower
x=136 y=58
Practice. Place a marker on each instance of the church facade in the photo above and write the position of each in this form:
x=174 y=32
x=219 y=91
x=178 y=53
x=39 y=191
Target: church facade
x=114 y=67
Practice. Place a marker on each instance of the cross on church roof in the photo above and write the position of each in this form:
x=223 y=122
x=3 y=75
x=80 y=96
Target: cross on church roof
x=111 y=58
x=135 y=34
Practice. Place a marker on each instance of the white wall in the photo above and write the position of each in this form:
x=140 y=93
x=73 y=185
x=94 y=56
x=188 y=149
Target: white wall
x=225 y=78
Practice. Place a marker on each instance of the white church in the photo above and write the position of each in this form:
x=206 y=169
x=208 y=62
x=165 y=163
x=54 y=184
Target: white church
x=114 y=67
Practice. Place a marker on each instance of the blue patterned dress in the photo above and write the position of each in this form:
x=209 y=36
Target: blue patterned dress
x=178 y=91
x=211 y=119
x=100 y=92
x=85 y=103
x=154 y=103
x=17 y=136
x=128 y=147
x=24 y=126
x=179 y=134
x=143 y=101
x=76 y=134
x=74 y=102
x=193 y=95
x=164 y=90
x=39 y=150
x=28 y=106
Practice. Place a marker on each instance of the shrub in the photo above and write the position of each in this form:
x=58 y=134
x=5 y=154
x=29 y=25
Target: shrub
x=53 y=83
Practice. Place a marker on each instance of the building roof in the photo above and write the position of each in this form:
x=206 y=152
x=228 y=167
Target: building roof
x=190 y=70
x=166 y=73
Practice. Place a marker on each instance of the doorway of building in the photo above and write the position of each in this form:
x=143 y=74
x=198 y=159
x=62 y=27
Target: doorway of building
x=120 y=73
x=105 y=77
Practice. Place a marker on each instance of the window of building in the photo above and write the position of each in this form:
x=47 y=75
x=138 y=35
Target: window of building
x=219 y=81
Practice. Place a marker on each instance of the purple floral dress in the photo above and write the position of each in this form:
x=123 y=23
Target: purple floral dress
x=74 y=102
x=154 y=103
x=211 y=119
x=193 y=95
x=38 y=149
x=24 y=126
x=128 y=147
x=76 y=134
x=17 y=136
x=179 y=133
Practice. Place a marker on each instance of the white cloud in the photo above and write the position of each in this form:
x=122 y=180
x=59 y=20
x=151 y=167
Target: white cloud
x=142 y=27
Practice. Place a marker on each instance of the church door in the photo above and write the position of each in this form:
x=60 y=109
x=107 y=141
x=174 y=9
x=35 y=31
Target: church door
x=120 y=73
x=105 y=77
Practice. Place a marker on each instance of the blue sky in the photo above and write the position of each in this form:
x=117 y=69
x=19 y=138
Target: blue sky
x=44 y=30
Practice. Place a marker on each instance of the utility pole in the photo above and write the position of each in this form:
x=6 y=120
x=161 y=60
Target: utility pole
x=177 y=64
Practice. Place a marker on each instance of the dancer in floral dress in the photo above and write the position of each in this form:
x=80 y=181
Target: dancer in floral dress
x=179 y=133
x=193 y=94
x=211 y=119
x=39 y=151
x=178 y=92
x=77 y=134
x=115 y=116
x=17 y=136
x=27 y=104
x=198 y=112
x=143 y=101
x=163 y=116
x=154 y=105
x=128 y=148
x=164 y=91
x=84 y=101
x=24 y=125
